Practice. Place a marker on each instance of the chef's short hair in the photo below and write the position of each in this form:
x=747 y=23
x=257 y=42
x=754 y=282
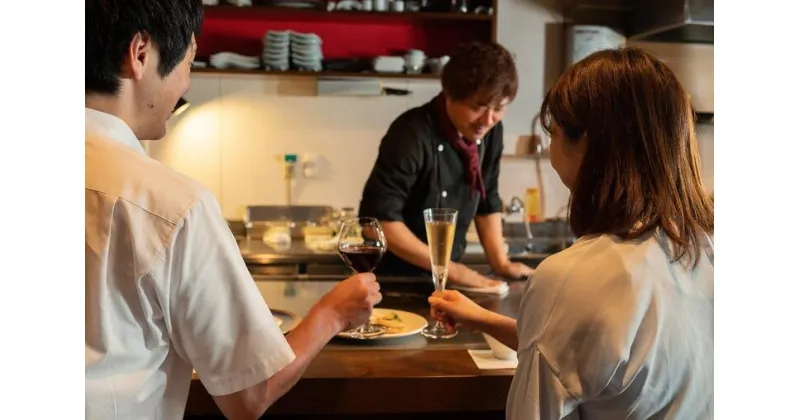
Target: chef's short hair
x=112 y=24
x=481 y=71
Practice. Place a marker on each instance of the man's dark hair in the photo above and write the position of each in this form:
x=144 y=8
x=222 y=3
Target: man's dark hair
x=484 y=71
x=112 y=24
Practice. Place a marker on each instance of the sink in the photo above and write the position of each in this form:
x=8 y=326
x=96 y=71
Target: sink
x=548 y=237
x=521 y=246
x=518 y=246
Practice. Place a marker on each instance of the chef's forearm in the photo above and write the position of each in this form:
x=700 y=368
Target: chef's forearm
x=490 y=232
x=403 y=243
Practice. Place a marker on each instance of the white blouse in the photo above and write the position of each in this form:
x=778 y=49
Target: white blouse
x=614 y=330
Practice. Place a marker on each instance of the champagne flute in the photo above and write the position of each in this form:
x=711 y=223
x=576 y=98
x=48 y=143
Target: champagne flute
x=440 y=225
x=361 y=247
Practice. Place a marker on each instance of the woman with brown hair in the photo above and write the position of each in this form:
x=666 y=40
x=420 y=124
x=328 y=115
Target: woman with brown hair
x=619 y=325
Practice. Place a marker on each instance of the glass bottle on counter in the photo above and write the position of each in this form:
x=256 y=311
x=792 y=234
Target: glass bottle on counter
x=533 y=210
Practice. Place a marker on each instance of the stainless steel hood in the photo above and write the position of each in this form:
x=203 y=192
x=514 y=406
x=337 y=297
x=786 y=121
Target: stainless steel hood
x=693 y=65
x=682 y=21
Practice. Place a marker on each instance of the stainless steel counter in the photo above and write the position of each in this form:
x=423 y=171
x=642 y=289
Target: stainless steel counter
x=297 y=258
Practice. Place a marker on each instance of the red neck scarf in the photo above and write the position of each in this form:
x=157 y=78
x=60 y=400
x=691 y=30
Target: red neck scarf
x=467 y=150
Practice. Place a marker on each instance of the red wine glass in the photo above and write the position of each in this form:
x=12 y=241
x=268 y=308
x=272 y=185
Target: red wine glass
x=361 y=246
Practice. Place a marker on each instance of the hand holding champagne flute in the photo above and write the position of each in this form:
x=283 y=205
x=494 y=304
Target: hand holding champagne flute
x=440 y=226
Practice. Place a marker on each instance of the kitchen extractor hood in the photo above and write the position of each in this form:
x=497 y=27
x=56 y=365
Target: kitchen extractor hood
x=693 y=65
x=685 y=21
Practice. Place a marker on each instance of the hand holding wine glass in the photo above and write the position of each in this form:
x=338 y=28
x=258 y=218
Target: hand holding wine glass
x=361 y=246
x=350 y=303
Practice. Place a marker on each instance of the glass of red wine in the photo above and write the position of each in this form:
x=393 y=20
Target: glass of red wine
x=361 y=247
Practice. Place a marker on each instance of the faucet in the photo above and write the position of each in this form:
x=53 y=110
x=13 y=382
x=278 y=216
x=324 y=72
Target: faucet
x=517 y=206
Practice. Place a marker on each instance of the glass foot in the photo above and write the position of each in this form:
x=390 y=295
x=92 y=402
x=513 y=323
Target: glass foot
x=439 y=332
x=367 y=331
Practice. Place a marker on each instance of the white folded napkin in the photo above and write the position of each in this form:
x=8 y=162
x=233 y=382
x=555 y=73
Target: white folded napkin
x=484 y=359
x=501 y=289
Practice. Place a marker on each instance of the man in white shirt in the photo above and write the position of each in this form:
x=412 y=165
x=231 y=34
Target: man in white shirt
x=166 y=287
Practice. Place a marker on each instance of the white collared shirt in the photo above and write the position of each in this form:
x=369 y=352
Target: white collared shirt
x=613 y=330
x=166 y=287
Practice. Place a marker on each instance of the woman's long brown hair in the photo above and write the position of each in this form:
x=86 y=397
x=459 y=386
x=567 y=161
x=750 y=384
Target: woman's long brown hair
x=641 y=169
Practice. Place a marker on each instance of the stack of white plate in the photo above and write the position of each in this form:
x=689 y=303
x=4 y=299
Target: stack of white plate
x=232 y=60
x=306 y=51
x=276 y=50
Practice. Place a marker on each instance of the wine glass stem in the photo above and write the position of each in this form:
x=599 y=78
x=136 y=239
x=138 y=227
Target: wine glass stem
x=441 y=278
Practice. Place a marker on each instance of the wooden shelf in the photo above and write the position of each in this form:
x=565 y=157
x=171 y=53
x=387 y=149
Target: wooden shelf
x=543 y=155
x=345 y=34
x=294 y=73
x=371 y=15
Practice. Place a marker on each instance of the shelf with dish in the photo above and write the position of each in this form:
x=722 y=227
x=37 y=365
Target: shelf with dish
x=315 y=12
x=307 y=73
x=337 y=43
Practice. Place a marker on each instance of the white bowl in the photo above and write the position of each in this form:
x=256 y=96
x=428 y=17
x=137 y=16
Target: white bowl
x=500 y=350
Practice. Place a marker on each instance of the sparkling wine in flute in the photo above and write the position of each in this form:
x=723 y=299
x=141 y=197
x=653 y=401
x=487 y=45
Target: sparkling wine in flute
x=440 y=241
x=440 y=226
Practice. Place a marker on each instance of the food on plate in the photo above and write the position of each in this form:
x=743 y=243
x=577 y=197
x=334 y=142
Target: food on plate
x=390 y=320
x=278 y=321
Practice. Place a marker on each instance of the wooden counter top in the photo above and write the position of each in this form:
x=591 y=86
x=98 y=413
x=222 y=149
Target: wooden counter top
x=345 y=380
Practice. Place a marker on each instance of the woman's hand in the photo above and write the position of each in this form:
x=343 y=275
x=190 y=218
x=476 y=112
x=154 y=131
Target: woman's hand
x=453 y=308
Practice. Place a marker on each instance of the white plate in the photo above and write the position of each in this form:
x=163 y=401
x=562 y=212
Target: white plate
x=411 y=324
x=287 y=319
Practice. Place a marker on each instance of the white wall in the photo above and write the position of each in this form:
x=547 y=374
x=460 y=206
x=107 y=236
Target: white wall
x=230 y=138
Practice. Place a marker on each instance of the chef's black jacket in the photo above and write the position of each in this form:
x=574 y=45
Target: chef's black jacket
x=417 y=169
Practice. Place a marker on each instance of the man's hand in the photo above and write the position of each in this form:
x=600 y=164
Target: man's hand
x=515 y=271
x=462 y=275
x=350 y=302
